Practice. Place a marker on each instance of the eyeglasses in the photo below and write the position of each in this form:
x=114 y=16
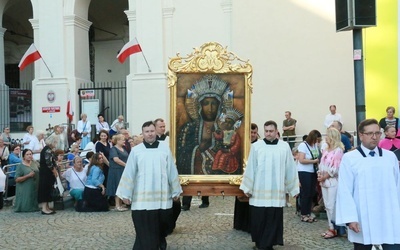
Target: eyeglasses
x=370 y=134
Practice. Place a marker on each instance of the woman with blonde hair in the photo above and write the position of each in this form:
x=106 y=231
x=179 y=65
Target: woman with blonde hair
x=328 y=176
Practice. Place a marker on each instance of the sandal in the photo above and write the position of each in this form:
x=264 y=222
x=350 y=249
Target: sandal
x=330 y=234
x=306 y=218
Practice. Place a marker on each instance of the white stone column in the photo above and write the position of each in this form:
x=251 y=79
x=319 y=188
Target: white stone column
x=4 y=90
x=147 y=92
x=77 y=57
x=226 y=6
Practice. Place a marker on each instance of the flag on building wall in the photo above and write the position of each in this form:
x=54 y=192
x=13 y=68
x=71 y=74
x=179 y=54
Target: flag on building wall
x=31 y=55
x=130 y=48
x=70 y=111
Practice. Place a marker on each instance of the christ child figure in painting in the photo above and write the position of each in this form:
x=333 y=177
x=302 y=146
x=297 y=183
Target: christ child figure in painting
x=226 y=158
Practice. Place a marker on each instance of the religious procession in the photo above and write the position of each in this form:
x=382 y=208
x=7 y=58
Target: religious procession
x=118 y=130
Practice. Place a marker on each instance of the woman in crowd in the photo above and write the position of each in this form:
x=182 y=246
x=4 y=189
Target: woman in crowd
x=13 y=160
x=307 y=163
x=28 y=138
x=76 y=177
x=38 y=144
x=390 y=120
x=328 y=176
x=74 y=152
x=390 y=142
x=4 y=153
x=84 y=128
x=6 y=137
x=26 y=177
x=101 y=124
x=95 y=191
x=118 y=158
x=47 y=174
x=62 y=165
x=103 y=147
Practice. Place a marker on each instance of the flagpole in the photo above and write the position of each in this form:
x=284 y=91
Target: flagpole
x=148 y=67
x=51 y=74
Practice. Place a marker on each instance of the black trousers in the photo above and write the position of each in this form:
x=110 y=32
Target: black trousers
x=266 y=226
x=151 y=226
x=307 y=191
x=187 y=199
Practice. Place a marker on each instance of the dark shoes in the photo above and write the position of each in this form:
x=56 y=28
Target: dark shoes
x=204 y=205
x=185 y=208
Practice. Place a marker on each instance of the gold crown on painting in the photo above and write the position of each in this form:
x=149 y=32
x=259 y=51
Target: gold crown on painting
x=233 y=114
x=209 y=86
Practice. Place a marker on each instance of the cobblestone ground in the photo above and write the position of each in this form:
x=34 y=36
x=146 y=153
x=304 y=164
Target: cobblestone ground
x=209 y=228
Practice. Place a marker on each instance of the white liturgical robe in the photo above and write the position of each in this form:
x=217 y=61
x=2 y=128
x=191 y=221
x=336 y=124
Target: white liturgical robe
x=369 y=193
x=270 y=173
x=150 y=179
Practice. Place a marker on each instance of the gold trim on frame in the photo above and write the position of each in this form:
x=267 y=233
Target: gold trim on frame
x=210 y=58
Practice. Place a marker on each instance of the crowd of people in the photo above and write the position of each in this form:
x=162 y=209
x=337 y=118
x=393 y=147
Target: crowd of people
x=140 y=172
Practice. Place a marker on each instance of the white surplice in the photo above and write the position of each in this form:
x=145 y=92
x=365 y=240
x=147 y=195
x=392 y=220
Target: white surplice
x=270 y=173
x=150 y=178
x=369 y=193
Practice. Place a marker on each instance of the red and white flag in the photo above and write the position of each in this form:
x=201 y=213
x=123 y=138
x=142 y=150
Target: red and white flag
x=31 y=55
x=130 y=48
x=70 y=111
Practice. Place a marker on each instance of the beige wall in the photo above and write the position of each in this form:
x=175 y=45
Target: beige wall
x=300 y=63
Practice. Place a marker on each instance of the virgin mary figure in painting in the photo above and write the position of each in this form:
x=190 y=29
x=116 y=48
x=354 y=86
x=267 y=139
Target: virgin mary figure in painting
x=197 y=146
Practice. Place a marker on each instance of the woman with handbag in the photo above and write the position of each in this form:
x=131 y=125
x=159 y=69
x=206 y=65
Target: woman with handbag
x=307 y=167
x=76 y=177
x=47 y=174
x=328 y=176
x=26 y=177
x=95 y=191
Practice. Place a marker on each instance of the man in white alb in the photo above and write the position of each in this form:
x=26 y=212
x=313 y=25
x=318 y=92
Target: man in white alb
x=368 y=195
x=150 y=183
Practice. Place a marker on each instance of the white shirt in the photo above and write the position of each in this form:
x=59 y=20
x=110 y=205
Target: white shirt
x=84 y=128
x=329 y=118
x=269 y=174
x=73 y=179
x=150 y=179
x=369 y=193
x=307 y=155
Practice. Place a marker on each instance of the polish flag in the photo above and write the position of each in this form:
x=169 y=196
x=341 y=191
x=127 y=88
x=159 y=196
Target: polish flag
x=31 y=55
x=130 y=48
x=70 y=111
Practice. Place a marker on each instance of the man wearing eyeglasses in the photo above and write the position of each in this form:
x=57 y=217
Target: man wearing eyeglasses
x=368 y=196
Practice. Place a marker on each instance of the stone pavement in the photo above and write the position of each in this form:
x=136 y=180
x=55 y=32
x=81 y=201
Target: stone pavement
x=209 y=228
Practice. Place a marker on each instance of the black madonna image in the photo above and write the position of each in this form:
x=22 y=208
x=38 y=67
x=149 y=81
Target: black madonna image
x=209 y=138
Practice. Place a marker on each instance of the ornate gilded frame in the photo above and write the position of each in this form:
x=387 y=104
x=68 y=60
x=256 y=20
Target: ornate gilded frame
x=211 y=58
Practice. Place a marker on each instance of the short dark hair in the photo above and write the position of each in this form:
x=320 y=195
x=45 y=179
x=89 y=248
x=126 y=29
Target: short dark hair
x=290 y=113
x=253 y=126
x=158 y=120
x=365 y=123
x=268 y=123
x=100 y=115
x=89 y=154
x=332 y=106
x=25 y=151
x=148 y=124
x=313 y=137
